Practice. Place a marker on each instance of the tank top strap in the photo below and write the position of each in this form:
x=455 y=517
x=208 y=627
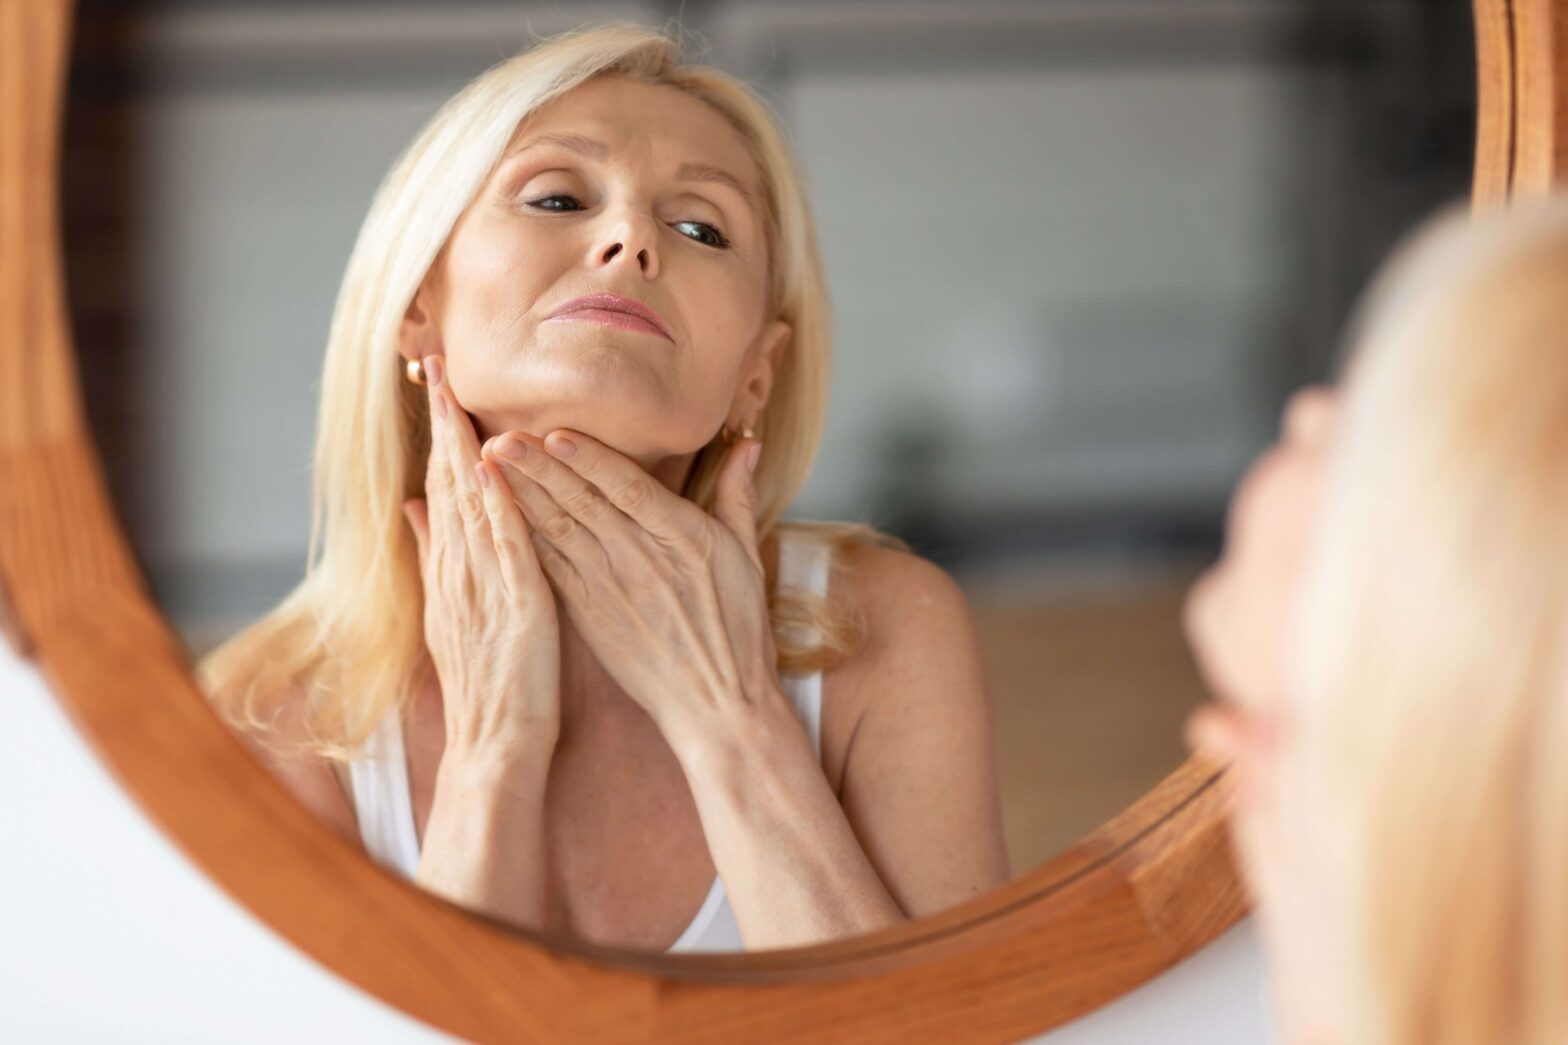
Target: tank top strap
x=382 y=800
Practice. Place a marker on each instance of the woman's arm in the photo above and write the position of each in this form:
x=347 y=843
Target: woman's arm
x=920 y=780
x=793 y=870
x=484 y=839
x=491 y=629
x=919 y=828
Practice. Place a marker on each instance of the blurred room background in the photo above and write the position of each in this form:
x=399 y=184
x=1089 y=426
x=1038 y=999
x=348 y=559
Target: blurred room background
x=1080 y=253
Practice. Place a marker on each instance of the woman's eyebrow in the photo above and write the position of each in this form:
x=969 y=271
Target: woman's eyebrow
x=708 y=172
x=597 y=150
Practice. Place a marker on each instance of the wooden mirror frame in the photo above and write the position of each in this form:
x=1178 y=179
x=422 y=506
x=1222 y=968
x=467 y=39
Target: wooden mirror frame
x=1149 y=888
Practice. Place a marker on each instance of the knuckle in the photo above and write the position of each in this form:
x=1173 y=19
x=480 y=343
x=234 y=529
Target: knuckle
x=584 y=503
x=550 y=558
x=438 y=481
x=559 y=528
x=700 y=545
x=635 y=494
x=470 y=506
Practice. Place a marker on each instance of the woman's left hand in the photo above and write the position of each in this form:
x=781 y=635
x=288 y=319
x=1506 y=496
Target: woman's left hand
x=672 y=601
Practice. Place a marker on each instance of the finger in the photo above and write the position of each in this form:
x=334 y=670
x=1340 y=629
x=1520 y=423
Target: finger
x=562 y=507
x=461 y=446
x=528 y=497
x=441 y=522
x=516 y=560
x=735 y=500
x=565 y=579
x=622 y=482
x=414 y=510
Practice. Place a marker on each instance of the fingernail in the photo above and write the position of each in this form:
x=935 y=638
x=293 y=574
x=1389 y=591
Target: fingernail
x=752 y=455
x=560 y=446
x=433 y=371
x=483 y=473
x=515 y=449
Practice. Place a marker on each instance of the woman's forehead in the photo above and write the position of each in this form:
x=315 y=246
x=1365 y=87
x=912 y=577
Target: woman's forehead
x=608 y=115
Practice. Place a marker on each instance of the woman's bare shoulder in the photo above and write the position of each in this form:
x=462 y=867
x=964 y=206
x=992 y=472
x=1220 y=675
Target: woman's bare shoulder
x=314 y=781
x=920 y=656
x=906 y=600
x=918 y=779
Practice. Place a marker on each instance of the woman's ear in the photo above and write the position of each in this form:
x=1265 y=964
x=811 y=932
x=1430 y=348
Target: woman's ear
x=417 y=336
x=762 y=366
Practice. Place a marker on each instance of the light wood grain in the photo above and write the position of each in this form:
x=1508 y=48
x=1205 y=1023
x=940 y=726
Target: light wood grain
x=1540 y=83
x=1144 y=891
x=1494 y=132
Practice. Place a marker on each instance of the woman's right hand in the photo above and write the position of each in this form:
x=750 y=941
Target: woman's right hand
x=489 y=615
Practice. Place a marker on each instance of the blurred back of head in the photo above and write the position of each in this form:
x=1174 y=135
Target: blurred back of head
x=1429 y=672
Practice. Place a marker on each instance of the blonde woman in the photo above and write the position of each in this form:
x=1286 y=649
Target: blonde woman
x=1387 y=634
x=556 y=658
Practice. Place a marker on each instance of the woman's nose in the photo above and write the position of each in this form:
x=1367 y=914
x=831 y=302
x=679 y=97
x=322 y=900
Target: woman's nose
x=632 y=239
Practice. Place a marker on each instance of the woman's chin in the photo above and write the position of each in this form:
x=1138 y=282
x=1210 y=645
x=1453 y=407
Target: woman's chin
x=626 y=431
x=593 y=374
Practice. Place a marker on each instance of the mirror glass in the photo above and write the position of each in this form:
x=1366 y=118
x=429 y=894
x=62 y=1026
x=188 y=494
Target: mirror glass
x=1077 y=257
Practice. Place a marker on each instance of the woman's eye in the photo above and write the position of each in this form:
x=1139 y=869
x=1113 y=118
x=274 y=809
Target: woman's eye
x=718 y=239
x=557 y=196
x=714 y=237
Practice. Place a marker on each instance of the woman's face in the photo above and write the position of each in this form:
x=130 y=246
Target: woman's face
x=617 y=187
x=1239 y=617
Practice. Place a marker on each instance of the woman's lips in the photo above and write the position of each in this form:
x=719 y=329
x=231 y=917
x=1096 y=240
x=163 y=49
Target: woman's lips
x=615 y=319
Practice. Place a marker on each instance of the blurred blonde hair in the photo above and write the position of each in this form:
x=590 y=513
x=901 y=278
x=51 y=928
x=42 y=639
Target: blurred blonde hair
x=1432 y=661
x=345 y=642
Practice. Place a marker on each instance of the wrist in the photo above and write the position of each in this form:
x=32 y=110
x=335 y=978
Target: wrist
x=492 y=768
x=736 y=738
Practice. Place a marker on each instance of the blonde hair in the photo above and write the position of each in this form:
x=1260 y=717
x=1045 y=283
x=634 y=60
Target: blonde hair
x=346 y=641
x=1432 y=661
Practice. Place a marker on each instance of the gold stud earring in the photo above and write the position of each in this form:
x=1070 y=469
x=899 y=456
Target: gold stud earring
x=415 y=371
x=729 y=436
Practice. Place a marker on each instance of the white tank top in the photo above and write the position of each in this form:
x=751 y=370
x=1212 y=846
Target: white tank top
x=386 y=815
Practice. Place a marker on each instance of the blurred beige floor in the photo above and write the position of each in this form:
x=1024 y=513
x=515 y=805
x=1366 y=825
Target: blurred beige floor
x=1090 y=694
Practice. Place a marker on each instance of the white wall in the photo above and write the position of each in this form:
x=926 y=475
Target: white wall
x=108 y=935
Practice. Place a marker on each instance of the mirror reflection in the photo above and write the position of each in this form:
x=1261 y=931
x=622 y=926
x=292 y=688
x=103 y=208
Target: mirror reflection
x=729 y=483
